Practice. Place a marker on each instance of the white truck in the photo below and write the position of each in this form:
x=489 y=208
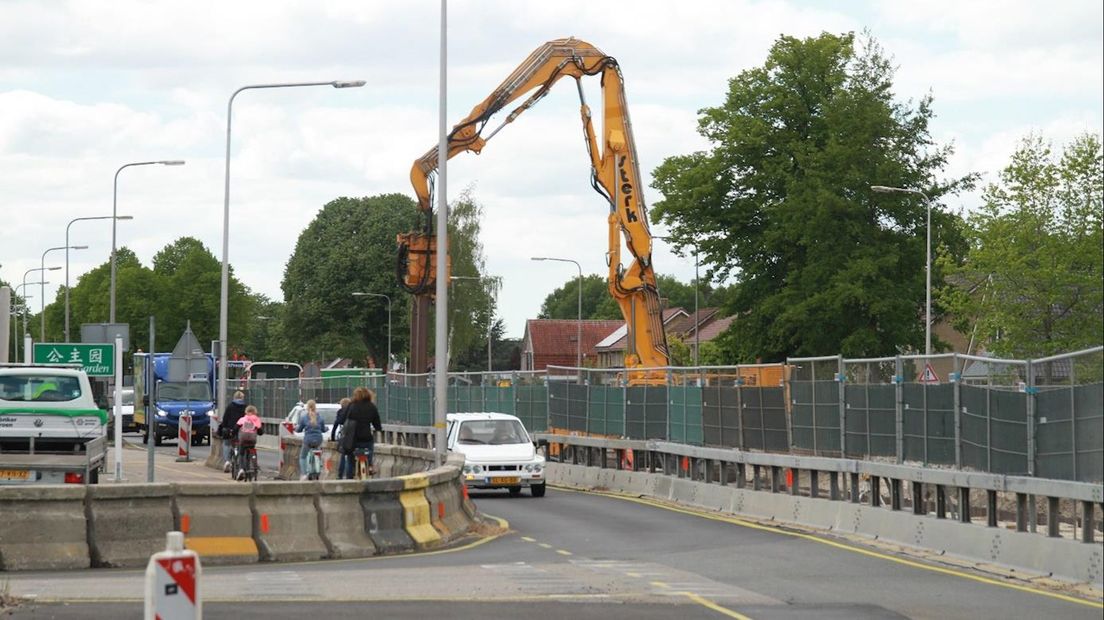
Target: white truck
x=51 y=431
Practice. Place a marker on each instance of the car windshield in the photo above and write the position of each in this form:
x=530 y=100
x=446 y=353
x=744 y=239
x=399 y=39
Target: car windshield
x=492 y=432
x=183 y=391
x=40 y=388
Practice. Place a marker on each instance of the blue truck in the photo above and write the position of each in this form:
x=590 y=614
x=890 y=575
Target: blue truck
x=157 y=407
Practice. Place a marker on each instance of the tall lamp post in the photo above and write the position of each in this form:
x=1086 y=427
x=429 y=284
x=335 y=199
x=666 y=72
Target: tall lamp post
x=490 y=314
x=883 y=189
x=23 y=308
x=115 y=218
x=579 y=316
x=71 y=222
x=387 y=366
x=42 y=289
x=697 y=320
x=224 y=295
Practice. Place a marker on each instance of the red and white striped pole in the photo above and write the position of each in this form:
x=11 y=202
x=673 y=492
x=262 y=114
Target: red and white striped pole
x=184 y=438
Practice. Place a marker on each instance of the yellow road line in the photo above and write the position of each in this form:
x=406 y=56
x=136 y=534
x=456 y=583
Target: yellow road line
x=839 y=545
x=659 y=584
x=704 y=602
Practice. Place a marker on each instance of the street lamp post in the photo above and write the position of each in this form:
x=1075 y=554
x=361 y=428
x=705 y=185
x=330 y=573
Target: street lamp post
x=387 y=366
x=25 y=274
x=579 y=316
x=224 y=294
x=42 y=289
x=882 y=189
x=71 y=222
x=490 y=315
x=23 y=308
x=115 y=219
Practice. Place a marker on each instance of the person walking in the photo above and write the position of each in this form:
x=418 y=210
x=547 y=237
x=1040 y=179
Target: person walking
x=313 y=428
x=364 y=418
x=228 y=425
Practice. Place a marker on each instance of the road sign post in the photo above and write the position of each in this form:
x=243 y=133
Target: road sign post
x=118 y=363
x=97 y=360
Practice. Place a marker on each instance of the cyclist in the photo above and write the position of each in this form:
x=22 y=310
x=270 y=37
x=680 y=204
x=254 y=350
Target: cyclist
x=363 y=412
x=228 y=426
x=249 y=427
x=339 y=421
x=312 y=426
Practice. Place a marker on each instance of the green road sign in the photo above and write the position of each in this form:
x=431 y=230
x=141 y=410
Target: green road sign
x=98 y=360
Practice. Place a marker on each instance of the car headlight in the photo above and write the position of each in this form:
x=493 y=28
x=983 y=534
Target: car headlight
x=162 y=413
x=476 y=469
x=467 y=469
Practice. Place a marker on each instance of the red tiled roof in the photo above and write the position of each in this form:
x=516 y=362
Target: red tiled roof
x=553 y=340
x=711 y=330
x=671 y=316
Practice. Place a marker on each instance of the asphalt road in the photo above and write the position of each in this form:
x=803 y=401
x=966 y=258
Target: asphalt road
x=582 y=555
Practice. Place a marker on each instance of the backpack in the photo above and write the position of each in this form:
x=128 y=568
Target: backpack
x=247 y=435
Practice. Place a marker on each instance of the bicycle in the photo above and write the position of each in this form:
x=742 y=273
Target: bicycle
x=314 y=463
x=248 y=468
x=364 y=467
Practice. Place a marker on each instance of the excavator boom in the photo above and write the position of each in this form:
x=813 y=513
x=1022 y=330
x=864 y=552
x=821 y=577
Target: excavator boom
x=615 y=174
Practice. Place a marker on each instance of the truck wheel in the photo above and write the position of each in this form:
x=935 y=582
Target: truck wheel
x=94 y=476
x=537 y=490
x=156 y=438
x=145 y=435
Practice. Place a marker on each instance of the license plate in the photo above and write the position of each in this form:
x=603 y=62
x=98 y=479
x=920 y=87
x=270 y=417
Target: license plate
x=504 y=480
x=14 y=474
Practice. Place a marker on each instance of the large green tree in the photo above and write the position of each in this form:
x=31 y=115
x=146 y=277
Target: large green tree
x=1031 y=284
x=349 y=247
x=182 y=286
x=782 y=201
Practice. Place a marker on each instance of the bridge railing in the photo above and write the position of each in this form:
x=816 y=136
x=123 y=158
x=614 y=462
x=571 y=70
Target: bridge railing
x=1063 y=509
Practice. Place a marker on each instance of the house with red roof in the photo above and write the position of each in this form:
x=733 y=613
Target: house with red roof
x=554 y=342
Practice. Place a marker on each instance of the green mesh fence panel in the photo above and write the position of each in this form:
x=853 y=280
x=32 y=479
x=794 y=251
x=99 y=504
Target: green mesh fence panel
x=1008 y=428
x=607 y=410
x=558 y=405
x=686 y=414
x=928 y=421
x=500 y=400
x=871 y=420
x=531 y=407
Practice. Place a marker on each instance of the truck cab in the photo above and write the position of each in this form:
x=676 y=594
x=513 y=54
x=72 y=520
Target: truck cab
x=51 y=430
x=157 y=409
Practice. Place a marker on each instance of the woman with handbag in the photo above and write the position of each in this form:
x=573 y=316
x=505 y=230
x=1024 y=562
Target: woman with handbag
x=361 y=420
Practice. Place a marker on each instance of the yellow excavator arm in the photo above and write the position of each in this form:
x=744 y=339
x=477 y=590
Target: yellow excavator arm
x=615 y=174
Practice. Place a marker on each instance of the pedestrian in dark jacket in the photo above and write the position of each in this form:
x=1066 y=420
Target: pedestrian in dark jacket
x=364 y=412
x=228 y=425
x=339 y=418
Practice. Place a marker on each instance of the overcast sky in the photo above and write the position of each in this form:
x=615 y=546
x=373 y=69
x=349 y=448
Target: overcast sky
x=86 y=86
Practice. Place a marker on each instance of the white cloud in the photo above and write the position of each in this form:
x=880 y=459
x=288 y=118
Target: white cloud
x=89 y=85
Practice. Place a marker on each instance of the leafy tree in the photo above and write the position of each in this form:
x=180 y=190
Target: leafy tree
x=563 y=303
x=1031 y=282
x=471 y=302
x=348 y=247
x=783 y=201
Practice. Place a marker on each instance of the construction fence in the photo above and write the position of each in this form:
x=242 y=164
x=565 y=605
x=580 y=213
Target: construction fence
x=1020 y=417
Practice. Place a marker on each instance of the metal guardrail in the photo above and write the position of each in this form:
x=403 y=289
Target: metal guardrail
x=952 y=488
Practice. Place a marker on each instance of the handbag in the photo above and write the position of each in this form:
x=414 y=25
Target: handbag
x=347 y=440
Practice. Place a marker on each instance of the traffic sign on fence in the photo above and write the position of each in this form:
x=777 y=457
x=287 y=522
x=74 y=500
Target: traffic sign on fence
x=928 y=376
x=98 y=360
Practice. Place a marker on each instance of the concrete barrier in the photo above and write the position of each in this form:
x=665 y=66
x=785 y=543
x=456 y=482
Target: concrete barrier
x=341 y=520
x=65 y=527
x=127 y=523
x=43 y=528
x=1035 y=553
x=416 y=515
x=384 y=516
x=285 y=521
x=217 y=520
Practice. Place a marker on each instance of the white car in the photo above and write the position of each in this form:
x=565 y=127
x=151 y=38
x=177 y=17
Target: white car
x=498 y=452
x=328 y=411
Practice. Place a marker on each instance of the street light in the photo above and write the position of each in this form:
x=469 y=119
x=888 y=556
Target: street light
x=24 y=309
x=224 y=294
x=387 y=366
x=882 y=189
x=79 y=219
x=115 y=219
x=42 y=289
x=697 y=320
x=490 y=313
x=579 y=319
